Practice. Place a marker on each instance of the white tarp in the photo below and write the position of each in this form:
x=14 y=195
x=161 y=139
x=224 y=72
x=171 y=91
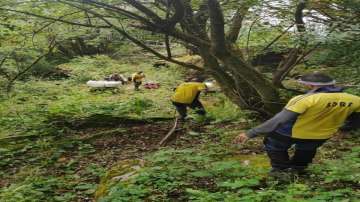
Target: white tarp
x=103 y=84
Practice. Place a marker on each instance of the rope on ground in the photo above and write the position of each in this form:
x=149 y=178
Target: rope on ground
x=168 y=135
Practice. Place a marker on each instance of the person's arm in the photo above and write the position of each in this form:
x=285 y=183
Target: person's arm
x=206 y=90
x=292 y=110
x=268 y=126
x=273 y=123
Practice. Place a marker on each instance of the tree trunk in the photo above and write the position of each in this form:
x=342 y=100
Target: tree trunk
x=226 y=82
x=258 y=92
x=239 y=84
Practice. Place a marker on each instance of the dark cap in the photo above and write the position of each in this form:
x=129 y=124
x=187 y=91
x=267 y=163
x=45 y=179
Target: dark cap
x=317 y=79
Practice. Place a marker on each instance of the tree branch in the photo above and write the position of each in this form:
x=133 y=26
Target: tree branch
x=2 y=70
x=167 y=40
x=236 y=25
x=217 y=28
x=149 y=26
x=124 y=12
x=248 y=36
x=53 y=19
x=178 y=15
x=50 y=23
x=277 y=38
x=294 y=59
x=190 y=25
x=202 y=16
x=299 y=16
x=177 y=34
x=149 y=13
x=21 y=73
x=136 y=41
x=147 y=48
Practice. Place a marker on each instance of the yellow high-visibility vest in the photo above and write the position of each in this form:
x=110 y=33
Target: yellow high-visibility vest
x=186 y=92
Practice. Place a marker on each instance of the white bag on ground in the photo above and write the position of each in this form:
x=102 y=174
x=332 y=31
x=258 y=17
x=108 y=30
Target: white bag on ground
x=103 y=84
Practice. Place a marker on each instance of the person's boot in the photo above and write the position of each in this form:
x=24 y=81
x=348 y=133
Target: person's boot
x=281 y=175
x=300 y=171
x=279 y=159
x=181 y=119
x=280 y=163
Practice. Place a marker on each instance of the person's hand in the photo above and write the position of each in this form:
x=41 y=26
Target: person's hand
x=240 y=139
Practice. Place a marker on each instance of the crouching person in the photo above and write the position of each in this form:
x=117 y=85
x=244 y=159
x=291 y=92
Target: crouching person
x=187 y=95
x=137 y=78
x=306 y=122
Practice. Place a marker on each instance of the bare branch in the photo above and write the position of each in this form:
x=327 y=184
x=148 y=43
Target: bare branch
x=147 y=48
x=294 y=59
x=147 y=25
x=178 y=15
x=21 y=73
x=51 y=18
x=50 y=23
x=167 y=40
x=299 y=16
x=202 y=16
x=139 y=6
x=121 y=11
x=236 y=25
x=88 y=18
x=190 y=25
x=217 y=28
x=167 y=44
x=277 y=38
x=177 y=34
x=136 y=41
x=2 y=70
x=248 y=35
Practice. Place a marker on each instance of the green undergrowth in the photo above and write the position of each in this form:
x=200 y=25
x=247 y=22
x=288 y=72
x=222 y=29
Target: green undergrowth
x=33 y=103
x=44 y=171
x=215 y=173
x=65 y=158
x=54 y=162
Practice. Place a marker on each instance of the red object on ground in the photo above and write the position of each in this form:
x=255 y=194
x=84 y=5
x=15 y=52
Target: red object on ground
x=151 y=85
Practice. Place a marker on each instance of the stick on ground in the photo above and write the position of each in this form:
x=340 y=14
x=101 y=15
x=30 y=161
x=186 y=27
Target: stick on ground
x=168 y=135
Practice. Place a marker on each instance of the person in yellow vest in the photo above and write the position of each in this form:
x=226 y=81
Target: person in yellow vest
x=137 y=79
x=307 y=121
x=187 y=95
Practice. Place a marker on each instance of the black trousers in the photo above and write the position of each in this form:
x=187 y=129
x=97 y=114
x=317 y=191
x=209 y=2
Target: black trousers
x=137 y=84
x=196 y=105
x=277 y=146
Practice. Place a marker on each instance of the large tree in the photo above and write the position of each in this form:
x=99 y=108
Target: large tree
x=200 y=26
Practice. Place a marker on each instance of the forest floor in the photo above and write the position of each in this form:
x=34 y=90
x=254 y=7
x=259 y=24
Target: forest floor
x=62 y=142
